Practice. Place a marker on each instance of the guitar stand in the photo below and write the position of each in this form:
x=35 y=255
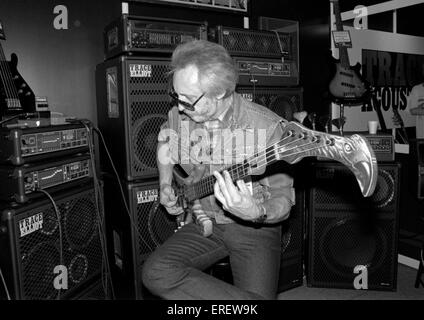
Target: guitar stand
x=420 y=271
x=341 y=119
x=419 y=280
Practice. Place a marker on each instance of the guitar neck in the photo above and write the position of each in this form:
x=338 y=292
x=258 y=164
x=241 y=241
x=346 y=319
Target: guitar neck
x=298 y=142
x=240 y=171
x=11 y=94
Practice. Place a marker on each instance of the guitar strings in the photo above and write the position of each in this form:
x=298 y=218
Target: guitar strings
x=12 y=84
x=3 y=74
x=10 y=73
x=8 y=80
x=208 y=182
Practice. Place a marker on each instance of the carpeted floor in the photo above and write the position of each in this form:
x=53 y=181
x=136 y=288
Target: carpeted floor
x=405 y=290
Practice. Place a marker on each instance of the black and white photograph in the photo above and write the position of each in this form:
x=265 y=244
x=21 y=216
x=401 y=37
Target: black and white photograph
x=211 y=156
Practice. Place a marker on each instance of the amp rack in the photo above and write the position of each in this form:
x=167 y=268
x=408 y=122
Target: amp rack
x=24 y=145
x=266 y=71
x=136 y=34
x=20 y=184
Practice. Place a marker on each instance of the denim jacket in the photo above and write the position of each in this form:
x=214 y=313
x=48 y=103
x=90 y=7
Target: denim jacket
x=242 y=131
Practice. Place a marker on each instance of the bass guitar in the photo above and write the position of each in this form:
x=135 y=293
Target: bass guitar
x=347 y=85
x=16 y=96
x=297 y=142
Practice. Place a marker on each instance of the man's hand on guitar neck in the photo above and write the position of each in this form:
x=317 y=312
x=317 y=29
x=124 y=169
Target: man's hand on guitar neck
x=169 y=200
x=238 y=201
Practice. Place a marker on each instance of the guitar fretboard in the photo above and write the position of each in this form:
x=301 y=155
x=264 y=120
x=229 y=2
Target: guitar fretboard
x=239 y=171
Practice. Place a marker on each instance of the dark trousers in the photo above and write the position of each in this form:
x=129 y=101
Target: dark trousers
x=174 y=270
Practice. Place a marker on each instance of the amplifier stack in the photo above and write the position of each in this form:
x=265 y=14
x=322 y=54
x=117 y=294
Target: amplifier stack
x=132 y=88
x=50 y=214
x=49 y=158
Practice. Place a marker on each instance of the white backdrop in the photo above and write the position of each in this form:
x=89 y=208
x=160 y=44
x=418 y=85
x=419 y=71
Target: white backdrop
x=356 y=119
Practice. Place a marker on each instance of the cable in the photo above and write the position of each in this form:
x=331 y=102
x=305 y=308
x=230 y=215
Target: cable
x=86 y=122
x=5 y=285
x=56 y=209
x=100 y=216
x=17 y=116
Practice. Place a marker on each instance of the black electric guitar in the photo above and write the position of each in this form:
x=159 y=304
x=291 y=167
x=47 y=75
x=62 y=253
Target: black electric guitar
x=347 y=86
x=297 y=142
x=15 y=95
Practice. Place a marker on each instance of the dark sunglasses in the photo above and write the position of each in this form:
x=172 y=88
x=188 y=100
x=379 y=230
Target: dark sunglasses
x=186 y=105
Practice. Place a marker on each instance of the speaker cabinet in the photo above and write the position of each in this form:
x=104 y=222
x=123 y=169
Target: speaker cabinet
x=33 y=243
x=282 y=101
x=134 y=234
x=416 y=169
x=352 y=239
x=132 y=104
x=292 y=237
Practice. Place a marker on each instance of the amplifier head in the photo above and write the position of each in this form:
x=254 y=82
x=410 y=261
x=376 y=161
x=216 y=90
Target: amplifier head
x=266 y=72
x=254 y=43
x=24 y=145
x=21 y=183
x=136 y=34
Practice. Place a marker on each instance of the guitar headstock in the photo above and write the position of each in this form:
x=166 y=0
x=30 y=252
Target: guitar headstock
x=397 y=118
x=355 y=152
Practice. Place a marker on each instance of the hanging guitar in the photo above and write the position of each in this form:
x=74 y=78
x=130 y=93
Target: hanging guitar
x=347 y=86
x=297 y=142
x=397 y=119
x=15 y=95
